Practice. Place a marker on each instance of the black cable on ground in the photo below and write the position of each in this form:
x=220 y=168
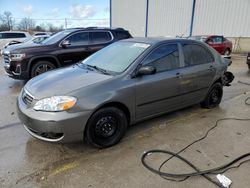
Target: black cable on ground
x=205 y=173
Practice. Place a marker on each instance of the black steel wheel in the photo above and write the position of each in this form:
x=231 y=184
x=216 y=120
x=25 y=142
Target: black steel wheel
x=106 y=127
x=214 y=96
x=41 y=67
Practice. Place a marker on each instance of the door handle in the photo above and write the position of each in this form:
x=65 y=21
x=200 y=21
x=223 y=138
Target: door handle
x=179 y=75
x=86 y=48
x=211 y=68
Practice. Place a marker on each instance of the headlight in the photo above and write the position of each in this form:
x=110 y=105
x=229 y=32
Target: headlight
x=55 y=103
x=17 y=57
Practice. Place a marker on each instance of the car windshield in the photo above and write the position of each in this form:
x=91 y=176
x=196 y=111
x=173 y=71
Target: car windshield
x=55 y=38
x=116 y=57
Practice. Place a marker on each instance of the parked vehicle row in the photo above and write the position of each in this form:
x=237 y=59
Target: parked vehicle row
x=61 y=49
x=8 y=36
x=35 y=39
x=124 y=83
x=111 y=80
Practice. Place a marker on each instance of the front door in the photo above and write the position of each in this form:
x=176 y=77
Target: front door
x=78 y=48
x=160 y=92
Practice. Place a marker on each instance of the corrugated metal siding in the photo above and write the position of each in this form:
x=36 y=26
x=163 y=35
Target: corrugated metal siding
x=169 y=18
x=230 y=18
x=129 y=14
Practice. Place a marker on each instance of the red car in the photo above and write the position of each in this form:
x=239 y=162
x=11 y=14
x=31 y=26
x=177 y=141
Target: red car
x=219 y=43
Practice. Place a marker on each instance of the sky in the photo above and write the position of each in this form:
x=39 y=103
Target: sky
x=78 y=13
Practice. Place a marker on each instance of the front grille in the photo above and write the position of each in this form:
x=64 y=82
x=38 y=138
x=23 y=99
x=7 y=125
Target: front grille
x=27 y=98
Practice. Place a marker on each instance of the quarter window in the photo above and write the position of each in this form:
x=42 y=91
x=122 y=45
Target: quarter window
x=196 y=54
x=79 y=38
x=164 y=58
x=100 y=37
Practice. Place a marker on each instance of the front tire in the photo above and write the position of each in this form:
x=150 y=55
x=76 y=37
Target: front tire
x=227 y=52
x=213 y=97
x=249 y=67
x=106 y=127
x=41 y=67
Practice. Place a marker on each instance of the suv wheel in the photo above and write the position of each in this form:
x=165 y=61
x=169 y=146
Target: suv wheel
x=106 y=127
x=213 y=97
x=41 y=67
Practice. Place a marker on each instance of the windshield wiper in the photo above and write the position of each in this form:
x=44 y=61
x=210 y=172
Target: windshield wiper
x=98 y=68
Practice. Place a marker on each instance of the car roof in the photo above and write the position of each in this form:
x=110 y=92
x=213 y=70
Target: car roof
x=155 y=40
x=13 y=32
x=95 y=29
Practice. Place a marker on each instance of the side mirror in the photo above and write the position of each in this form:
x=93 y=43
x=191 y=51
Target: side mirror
x=146 y=70
x=65 y=44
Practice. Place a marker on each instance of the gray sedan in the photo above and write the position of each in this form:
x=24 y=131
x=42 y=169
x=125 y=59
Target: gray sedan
x=126 y=82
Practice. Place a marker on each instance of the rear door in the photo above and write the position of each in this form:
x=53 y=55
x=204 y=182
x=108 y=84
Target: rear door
x=198 y=72
x=159 y=92
x=99 y=40
x=77 y=50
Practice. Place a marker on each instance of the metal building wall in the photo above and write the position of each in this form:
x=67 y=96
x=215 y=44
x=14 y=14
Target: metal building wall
x=230 y=18
x=169 y=17
x=129 y=14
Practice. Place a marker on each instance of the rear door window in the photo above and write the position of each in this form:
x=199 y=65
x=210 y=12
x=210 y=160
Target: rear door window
x=12 y=35
x=100 y=37
x=81 y=38
x=164 y=58
x=195 y=54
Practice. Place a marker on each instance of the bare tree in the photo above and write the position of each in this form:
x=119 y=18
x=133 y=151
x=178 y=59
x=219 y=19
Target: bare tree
x=6 y=21
x=26 y=24
x=53 y=28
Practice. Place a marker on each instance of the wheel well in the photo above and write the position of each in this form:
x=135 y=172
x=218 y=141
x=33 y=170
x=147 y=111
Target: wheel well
x=219 y=81
x=118 y=105
x=50 y=59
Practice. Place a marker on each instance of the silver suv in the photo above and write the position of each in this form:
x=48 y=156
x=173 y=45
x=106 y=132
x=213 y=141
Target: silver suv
x=125 y=82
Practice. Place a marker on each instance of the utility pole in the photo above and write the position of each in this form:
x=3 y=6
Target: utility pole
x=65 y=23
x=146 y=23
x=110 y=13
x=192 y=19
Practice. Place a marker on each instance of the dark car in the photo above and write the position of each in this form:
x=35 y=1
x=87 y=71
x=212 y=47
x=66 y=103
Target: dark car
x=61 y=49
x=222 y=45
x=248 y=61
x=126 y=82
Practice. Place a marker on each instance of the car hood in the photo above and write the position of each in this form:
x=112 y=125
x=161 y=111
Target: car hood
x=63 y=81
x=21 y=45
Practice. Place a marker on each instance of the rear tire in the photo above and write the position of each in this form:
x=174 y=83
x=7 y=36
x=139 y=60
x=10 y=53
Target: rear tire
x=41 y=67
x=106 y=127
x=227 y=52
x=213 y=97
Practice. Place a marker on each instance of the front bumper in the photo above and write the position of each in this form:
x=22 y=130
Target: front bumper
x=52 y=126
x=14 y=69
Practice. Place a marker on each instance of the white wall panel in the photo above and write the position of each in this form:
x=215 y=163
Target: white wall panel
x=169 y=17
x=230 y=18
x=225 y=17
x=129 y=14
